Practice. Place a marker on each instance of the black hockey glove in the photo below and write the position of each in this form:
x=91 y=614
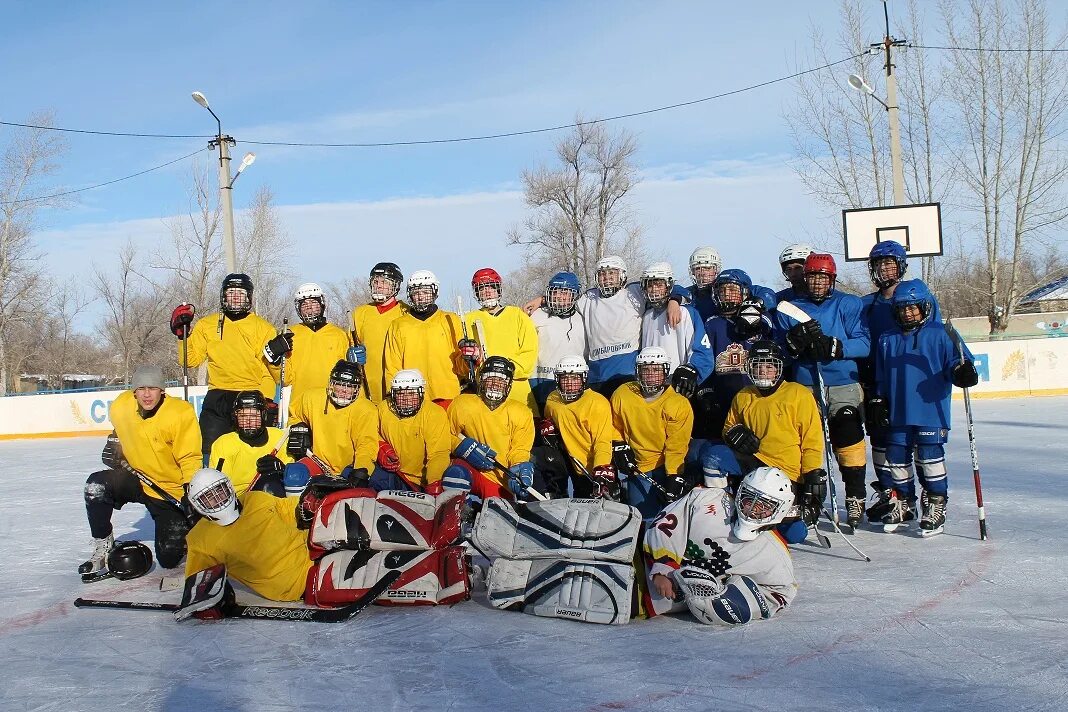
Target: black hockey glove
x=800 y=337
x=623 y=458
x=111 y=455
x=826 y=348
x=742 y=439
x=684 y=380
x=675 y=487
x=965 y=375
x=300 y=440
x=278 y=347
x=356 y=477
x=313 y=495
x=811 y=495
x=269 y=464
x=877 y=413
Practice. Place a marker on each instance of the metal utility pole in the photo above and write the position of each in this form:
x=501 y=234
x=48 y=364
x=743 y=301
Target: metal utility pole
x=888 y=44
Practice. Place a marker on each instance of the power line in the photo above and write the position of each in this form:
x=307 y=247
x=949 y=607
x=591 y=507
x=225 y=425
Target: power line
x=102 y=133
x=990 y=49
x=100 y=185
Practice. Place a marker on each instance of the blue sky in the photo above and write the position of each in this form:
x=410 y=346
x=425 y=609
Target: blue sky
x=717 y=173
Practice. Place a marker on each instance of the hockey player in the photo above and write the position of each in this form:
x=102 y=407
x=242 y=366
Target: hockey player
x=371 y=322
x=560 y=332
x=507 y=331
x=826 y=349
x=311 y=348
x=655 y=422
x=792 y=263
x=489 y=428
x=232 y=342
x=916 y=366
x=246 y=453
x=705 y=264
x=724 y=569
x=342 y=428
x=427 y=339
x=887 y=265
x=159 y=437
x=416 y=438
x=262 y=541
x=583 y=419
x=686 y=345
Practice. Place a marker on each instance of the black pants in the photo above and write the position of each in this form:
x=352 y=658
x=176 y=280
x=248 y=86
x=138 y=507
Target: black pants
x=607 y=388
x=216 y=417
x=108 y=490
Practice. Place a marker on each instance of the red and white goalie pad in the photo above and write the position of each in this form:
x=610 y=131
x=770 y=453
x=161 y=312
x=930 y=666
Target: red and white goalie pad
x=434 y=577
x=390 y=521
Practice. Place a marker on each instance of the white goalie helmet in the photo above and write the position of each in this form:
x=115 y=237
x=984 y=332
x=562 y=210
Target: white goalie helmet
x=571 y=366
x=406 y=392
x=608 y=284
x=212 y=494
x=651 y=370
x=420 y=284
x=708 y=261
x=764 y=498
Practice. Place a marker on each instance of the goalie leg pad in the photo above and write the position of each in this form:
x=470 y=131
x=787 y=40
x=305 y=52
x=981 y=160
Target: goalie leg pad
x=737 y=601
x=436 y=577
x=582 y=529
x=589 y=591
x=394 y=520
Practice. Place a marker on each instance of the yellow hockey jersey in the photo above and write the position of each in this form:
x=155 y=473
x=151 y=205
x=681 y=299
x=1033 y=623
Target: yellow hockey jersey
x=239 y=458
x=314 y=354
x=234 y=351
x=371 y=323
x=511 y=334
x=340 y=436
x=165 y=446
x=431 y=347
x=423 y=442
x=787 y=423
x=508 y=430
x=658 y=431
x=263 y=549
x=586 y=427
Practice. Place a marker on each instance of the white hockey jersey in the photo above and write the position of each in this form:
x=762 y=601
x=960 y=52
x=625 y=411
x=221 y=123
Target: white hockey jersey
x=557 y=337
x=613 y=330
x=685 y=343
x=698 y=527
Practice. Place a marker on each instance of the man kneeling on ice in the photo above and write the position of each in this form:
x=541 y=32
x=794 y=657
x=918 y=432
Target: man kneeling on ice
x=326 y=547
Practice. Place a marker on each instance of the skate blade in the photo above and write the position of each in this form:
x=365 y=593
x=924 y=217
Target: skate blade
x=96 y=576
x=926 y=533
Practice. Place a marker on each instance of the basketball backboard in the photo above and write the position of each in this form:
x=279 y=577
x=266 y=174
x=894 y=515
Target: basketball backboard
x=917 y=227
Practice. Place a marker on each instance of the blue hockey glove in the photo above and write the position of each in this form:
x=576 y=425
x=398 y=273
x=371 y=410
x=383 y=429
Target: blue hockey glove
x=479 y=455
x=357 y=355
x=521 y=477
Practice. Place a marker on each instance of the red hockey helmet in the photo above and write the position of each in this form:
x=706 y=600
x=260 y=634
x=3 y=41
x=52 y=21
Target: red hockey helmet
x=481 y=284
x=820 y=276
x=818 y=263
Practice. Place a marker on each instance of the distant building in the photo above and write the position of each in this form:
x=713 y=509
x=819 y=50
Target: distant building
x=1050 y=297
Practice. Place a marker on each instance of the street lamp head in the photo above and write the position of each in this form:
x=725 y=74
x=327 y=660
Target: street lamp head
x=201 y=99
x=859 y=84
x=247 y=161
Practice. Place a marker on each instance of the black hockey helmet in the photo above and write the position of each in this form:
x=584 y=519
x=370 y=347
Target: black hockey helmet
x=495 y=380
x=344 y=374
x=235 y=306
x=762 y=355
x=388 y=271
x=250 y=400
x=129 y=560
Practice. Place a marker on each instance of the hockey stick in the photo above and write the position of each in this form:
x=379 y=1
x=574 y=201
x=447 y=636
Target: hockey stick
x=363 y=368
x=164 y=494
x=971 y=435
x=277 y=613
x=529 y=490
x=463 y=325
x=794 y=312
x=185 y=362
x=281 y=379
x=274 y=452
x=614 y=495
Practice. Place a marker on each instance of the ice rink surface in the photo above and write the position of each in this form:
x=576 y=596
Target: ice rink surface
x=949 y=623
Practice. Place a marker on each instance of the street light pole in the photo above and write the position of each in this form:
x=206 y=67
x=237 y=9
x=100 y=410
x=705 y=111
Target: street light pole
x=226 y=185
x=893 y=114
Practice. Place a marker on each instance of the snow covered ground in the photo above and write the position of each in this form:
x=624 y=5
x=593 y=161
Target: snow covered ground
x=941 y=624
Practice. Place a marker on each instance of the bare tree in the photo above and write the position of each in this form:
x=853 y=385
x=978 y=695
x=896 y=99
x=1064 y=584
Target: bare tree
x=63 y=350
x=579 y=210
x=342 y=297
x=31 y=156
x=264 y=251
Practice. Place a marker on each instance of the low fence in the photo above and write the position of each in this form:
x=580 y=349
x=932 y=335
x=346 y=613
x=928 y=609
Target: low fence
x=1020 y=367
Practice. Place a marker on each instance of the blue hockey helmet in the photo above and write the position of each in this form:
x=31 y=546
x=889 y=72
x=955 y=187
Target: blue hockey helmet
x=730 y=300
x=560 y=286
x=912 y=293
x=883 y=251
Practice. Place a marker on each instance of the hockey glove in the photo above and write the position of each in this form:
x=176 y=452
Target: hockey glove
x=313 y=495
x=111 y=455
x=356 y=476
x=278 y=347
x=800 y=337
x=521 y=476
x=742 y=439
x=811 y=495
x=965 y=375
x=388 y=459
x=357 y=355
x=605 y=482
x=300 y=440
x=269 y=464
x=877 y=413
x=270 y=414
x=674 y=487
x=623 y=458
x=546 y=428
x=469 y=350
x=181 y=318
x=479 y=455
x=826 y=348
x=684 y=380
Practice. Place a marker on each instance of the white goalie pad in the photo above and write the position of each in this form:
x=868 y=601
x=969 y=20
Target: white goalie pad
x=589 y=591
x=581 y=529
x=392 y=521
x=431 y=577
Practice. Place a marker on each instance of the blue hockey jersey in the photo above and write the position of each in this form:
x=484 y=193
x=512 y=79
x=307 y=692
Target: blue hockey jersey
x=913 y=372
x=840 y=315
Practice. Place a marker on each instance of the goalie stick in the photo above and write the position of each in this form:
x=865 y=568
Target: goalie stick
x=959 y=342
x=463 y=326
x=281 y=379
x=258 y=612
